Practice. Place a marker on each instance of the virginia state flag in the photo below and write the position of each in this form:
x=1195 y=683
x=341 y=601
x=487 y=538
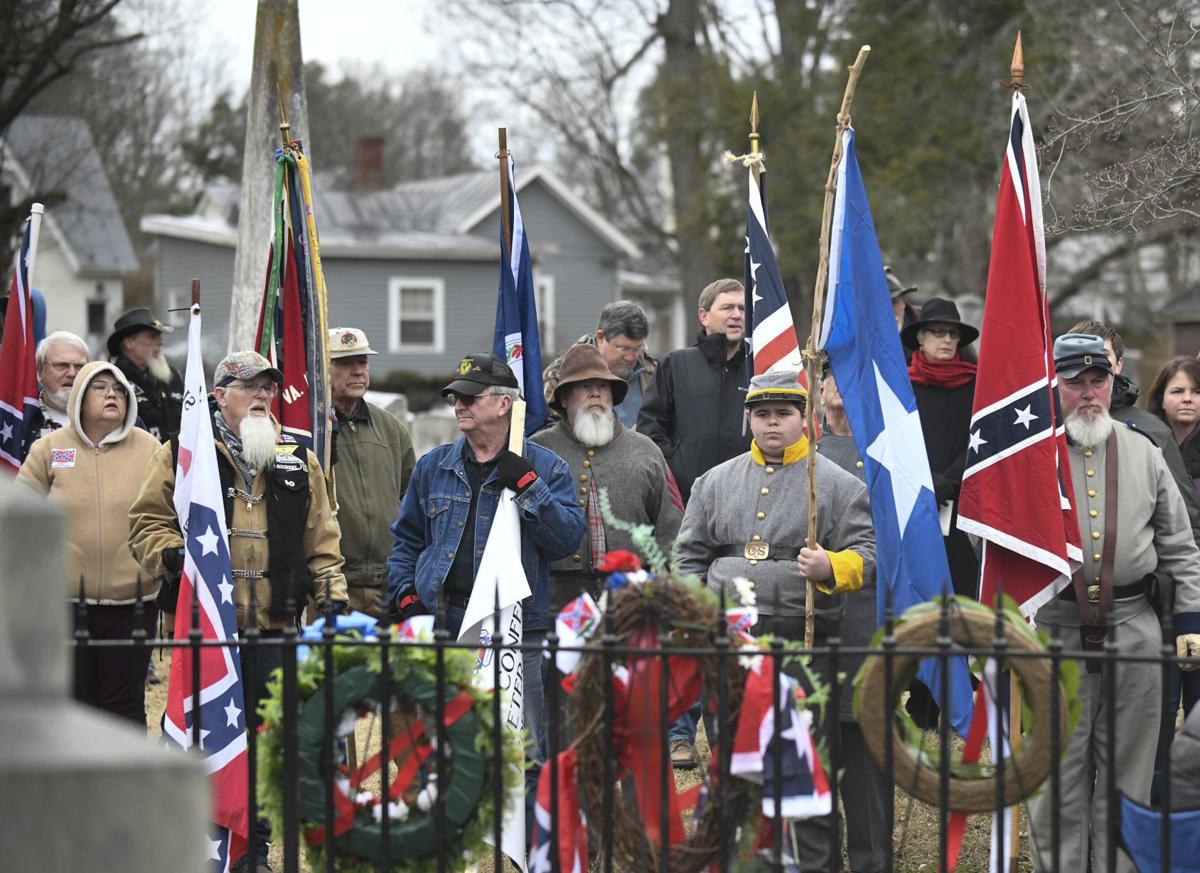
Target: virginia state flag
x=1013 y=493
x=208 y=578
x=18 y=370
x=516 y=339
x=859 y=334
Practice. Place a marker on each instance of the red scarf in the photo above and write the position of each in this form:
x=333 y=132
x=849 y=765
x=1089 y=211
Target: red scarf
x=953 y=373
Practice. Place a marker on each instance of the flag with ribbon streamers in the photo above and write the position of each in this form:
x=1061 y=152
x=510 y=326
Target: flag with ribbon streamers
x=293 y=317
x=18 y=369
x=208 y=580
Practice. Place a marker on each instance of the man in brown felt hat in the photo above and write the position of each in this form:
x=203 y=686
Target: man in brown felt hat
x=602 y=453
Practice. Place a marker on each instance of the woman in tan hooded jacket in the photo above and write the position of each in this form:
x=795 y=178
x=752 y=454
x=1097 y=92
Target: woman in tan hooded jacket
x=94 y=468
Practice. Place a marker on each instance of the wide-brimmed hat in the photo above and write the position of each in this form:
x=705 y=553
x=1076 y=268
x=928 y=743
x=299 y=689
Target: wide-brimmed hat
x=583 y=363
x=777 y=385
x=896 y=288
x=346 y=342
x=479 y=372
x=130 y=322
x=1076 y=352
x=939 y=310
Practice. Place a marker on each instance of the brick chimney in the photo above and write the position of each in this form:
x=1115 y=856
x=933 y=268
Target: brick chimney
x=368 y=163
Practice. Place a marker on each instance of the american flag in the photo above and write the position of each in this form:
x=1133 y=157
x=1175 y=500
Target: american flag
x=772 y=335
x=1013 y=494
x=18 y=371
x=207 y=577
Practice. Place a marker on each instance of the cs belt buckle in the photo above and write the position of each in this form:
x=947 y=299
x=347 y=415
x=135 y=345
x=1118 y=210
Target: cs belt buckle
x=757 y=551
x=1093 y=593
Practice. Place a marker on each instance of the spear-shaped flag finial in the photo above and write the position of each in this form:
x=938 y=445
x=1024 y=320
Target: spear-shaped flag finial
x=754 y=124
x=1017 y=68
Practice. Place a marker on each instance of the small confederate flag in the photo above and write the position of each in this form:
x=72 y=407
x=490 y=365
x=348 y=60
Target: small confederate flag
x=1013 y=494
x=572 y=825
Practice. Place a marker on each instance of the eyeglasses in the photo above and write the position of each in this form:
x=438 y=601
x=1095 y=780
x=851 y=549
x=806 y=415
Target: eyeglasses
x=269 y=389
x=944 y=332
x=629 y=351
x=59 y=367
x=467 y=399
x=102 y=389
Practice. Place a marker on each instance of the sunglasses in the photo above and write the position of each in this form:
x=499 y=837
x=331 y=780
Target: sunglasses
x=467 y=399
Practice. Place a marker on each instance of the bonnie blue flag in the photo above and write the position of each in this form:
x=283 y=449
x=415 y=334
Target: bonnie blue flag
x=859 y=334
x=516 y=339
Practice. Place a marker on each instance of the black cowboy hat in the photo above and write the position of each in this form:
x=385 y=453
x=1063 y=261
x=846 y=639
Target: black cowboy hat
x=938 y=310
x=130 y=322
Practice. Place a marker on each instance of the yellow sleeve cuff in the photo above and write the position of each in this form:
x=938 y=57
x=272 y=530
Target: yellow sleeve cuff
x=847 y=572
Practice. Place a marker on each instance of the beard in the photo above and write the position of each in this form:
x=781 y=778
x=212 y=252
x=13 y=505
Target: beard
x=1089 y=432
x=593 y=428
x=159 y=368
x=57 y=399
x=258 y=440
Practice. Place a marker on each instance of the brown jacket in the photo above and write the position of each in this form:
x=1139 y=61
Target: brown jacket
x=96 y=485
x=155 y=528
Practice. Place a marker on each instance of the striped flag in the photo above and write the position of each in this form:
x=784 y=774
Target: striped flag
x=208 y=579
x=516 y=337
x=18 y=370
x=1013 y=495
x=772 y=335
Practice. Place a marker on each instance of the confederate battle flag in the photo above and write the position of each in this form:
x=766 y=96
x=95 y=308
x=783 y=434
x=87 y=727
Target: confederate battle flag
x=1015 y=488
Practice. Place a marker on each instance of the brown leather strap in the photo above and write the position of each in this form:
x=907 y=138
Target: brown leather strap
x=1100 y=610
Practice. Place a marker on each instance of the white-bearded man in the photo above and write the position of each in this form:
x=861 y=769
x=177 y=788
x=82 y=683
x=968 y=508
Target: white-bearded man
x=1130 y=535
x=602 y=453
x=136 y=347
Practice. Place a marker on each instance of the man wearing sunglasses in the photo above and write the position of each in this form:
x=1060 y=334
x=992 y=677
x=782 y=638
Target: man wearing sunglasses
x=446 y=516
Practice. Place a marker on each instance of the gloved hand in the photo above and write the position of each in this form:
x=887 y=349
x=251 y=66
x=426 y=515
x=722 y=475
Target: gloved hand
x=1188 y=646
x=409 y=605
x=173 y=561
x=515 y=472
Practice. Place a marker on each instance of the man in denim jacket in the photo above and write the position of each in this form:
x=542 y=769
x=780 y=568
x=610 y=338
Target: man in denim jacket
x=447 y=513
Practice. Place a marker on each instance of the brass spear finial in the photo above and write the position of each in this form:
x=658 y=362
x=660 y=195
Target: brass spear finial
x=754 y=124
x=1017 y=70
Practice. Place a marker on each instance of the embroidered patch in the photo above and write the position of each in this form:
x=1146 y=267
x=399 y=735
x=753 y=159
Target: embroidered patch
x=62 y=458
x=288 y=462
x=464 y=366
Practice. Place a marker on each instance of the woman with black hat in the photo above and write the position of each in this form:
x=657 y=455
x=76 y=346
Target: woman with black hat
x=943 y=380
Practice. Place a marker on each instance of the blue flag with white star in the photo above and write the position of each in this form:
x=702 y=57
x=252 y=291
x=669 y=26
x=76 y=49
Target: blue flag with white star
x=859 y=334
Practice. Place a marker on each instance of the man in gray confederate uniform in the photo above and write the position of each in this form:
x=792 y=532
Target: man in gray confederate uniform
x=602 y=453
x=1128 y=533
x=748 y=518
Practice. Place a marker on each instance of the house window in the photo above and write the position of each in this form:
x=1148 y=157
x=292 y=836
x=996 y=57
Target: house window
x=416 y=315
x=97 y=317
x=543 y=293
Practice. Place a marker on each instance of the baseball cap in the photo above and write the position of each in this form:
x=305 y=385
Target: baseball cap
x=345 y=342
x=478 y=372
x=243 y=365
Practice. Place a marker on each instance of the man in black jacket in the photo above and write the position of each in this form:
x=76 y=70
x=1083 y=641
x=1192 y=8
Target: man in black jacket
x=135 y=346
x=693 y=411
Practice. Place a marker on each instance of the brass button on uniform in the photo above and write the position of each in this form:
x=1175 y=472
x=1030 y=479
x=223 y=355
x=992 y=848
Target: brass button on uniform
x=1091 y=472
x=756 y=538
x=1091 y=492
x=591 y=453
x=587 y=464
x=858 y=465
x=765 y=491
x=1096 y=556
x=577 y=559
x=770 y=469
x=583 y=477
x=583 y=501
x=1095 y=534
x=1093 y=513
x=1087 y=453
x=583 y=491
x=761 y=516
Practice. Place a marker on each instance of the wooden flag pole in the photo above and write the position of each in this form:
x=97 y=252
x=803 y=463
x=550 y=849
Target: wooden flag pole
x=1016 y=83
x=505 y=216
x=195 y=292
x=810 y=350
x=516 y=428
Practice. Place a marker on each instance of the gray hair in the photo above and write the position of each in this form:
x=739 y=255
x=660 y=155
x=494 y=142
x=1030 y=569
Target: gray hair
x=59 y=336
x=505 y=391
x=623 y=318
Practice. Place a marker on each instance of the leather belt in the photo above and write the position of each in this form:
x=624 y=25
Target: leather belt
x=1092 y=634
x=1140 y=588
x=757 y=551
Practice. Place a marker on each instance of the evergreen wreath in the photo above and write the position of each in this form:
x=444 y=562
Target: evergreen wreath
x=412 y=692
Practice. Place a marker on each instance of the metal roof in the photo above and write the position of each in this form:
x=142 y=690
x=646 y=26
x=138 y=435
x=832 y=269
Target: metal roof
x=56 y=153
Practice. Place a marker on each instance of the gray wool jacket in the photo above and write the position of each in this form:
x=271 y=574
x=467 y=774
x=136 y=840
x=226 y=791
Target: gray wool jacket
x=743 y=498
x=640 y=489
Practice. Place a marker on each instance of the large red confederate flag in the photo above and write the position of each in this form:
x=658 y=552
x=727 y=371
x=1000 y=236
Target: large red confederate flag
x=1016 y=486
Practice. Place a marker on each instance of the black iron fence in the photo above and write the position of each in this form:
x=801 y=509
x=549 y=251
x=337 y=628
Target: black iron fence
x=735 y=836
